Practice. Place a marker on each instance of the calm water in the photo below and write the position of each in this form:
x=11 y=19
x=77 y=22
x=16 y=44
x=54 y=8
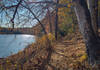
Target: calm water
x=11 y=44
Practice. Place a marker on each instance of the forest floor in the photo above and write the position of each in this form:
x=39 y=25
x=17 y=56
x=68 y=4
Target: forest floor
x=68 y=54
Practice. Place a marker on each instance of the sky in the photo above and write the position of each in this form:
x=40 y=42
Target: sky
x=24 y=19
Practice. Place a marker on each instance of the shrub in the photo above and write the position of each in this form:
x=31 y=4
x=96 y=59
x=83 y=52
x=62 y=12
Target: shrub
x=44 y=38
x=66 y=29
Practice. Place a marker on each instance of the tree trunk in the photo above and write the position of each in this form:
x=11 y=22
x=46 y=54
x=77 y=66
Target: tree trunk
x=49 y=18
x=85 y=25
x=93 y=8
x=56 y=22
x=96 y=13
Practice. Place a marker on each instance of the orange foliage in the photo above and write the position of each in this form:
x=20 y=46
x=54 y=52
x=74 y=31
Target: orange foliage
x=64 y=11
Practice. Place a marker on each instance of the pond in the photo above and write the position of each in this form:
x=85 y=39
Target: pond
x=12 y=44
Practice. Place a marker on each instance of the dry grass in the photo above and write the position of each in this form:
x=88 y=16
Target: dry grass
x=67 y=53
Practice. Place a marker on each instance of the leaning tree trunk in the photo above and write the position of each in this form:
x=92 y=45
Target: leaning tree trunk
x=85 y=24
x=93 y=8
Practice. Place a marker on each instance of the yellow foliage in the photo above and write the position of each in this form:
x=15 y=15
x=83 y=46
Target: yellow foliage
x=63 y=12
x=7 y=61
x=51 y=37
x=83 y=58
x=44 y=39
x=15 y=65
x=69 y=5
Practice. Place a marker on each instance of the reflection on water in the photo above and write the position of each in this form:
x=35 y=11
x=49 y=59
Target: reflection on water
x=11 y=44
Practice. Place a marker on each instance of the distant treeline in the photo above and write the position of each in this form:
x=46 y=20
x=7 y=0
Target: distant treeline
x=16 y=31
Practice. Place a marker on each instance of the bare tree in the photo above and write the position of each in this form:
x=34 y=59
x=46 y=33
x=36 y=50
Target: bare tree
x=56 y=21
x=49 y=18
x=24 y=5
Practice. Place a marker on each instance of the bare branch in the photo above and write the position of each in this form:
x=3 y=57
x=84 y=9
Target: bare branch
x=35 y=17
x=12 y=20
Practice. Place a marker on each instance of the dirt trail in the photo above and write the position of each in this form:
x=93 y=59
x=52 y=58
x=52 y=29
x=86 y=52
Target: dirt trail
x=66 y=53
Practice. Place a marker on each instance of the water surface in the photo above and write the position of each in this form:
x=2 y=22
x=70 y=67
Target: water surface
x=11 y=44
